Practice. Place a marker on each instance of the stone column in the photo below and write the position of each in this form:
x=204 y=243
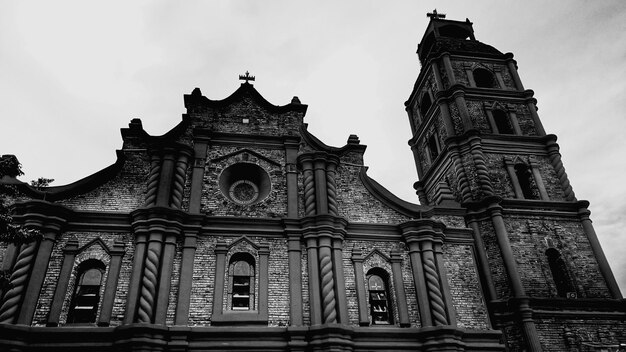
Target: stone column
x=315 y=306
x=306 y=163
x=220 y=265
x=511 y=64
x=530 y=104
x=534 y=168
x=178 y=184
x=447 y=64
x=459 y=99
x=483 y=261
x=165 y=276
x=435 y=68
x=165 y=178
x=555 y=160
x=69 y=253
x=186 y=278
x=197 y=175
x=111 y=285
x=295 y=279
x=398 y=283
x=510 y=168
x=359 y=283
x=150 y=278
x=40 y=267
x=342 y=301
x=605 y=269
x=291 y=154
x=482 y=171
x=135 y=280
x=321 y=194
x=152 y=185
x=529 y=330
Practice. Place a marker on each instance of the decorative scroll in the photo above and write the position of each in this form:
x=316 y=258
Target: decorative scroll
x=179 y=182
x=149 y=284
x=328 y=291
x=17 y=282
x=153 y=180
x=309 y=192
x=557 y=164
x=435 y=296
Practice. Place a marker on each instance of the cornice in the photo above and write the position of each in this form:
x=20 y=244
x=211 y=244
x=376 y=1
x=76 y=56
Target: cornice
x=197 y=99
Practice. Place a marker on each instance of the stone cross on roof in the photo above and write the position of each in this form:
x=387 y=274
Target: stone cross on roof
x=246 y=77
x=436 y=15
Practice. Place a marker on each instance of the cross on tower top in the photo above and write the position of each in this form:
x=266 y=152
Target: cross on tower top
x=436 y=15
x=246 y=77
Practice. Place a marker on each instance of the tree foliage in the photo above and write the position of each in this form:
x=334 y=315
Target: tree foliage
x=9 y=231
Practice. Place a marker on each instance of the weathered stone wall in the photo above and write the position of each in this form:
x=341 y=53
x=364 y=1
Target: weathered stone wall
x=581 y=334
x=530 y=237
x=124 y=193
x=230 y=119
x=356 y=204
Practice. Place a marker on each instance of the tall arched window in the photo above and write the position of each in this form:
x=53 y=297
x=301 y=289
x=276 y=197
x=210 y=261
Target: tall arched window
x=524 y=178
x=86 y=298
x=378 y=287
x=502 y=121
x=484 y=78
x=241 y=272
x=425 y=103
x=559 y=272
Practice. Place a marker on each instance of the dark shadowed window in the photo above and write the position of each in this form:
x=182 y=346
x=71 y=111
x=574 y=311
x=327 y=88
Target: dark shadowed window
x=524 y=178
x=559 y=272
x=86 y=299
x=241 y=272
x=425 y=104
x=502 y=121
x=484 y=78
x=378 y=287
x=433 y=146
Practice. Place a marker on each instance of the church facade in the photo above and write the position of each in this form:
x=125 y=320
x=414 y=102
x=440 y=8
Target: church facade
x=238 y=230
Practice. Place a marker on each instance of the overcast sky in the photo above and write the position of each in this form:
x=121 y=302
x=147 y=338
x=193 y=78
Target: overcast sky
x=73 y=73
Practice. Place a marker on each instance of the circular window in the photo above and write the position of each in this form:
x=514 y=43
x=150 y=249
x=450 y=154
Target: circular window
x=243 y=192
x=244 y=183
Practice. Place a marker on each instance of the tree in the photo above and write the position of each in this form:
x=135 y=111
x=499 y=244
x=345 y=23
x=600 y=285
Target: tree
x=9 y=231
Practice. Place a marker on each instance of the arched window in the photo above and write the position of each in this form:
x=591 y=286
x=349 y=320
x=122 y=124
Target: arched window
x=378 y=287
x=559 y=272
x=502 y=121
x=241 y=272
x=484 y=78
x=86 y=298
x=524 y=178
x=425 y=103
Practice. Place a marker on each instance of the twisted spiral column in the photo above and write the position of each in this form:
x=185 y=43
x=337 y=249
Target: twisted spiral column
x=179 y=182
x=149 y=283
x=331 y=189
x=17 y=282
x=437 y=306
x=463 y=183
x=153 y=180
x=482 y=171
x=557 y=164
x=328 y=286
x=309 y=192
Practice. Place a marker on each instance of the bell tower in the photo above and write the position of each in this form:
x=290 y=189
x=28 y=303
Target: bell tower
x=479 y=145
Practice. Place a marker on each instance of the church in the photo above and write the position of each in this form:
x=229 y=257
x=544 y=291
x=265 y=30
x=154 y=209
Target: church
x=239 y=230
